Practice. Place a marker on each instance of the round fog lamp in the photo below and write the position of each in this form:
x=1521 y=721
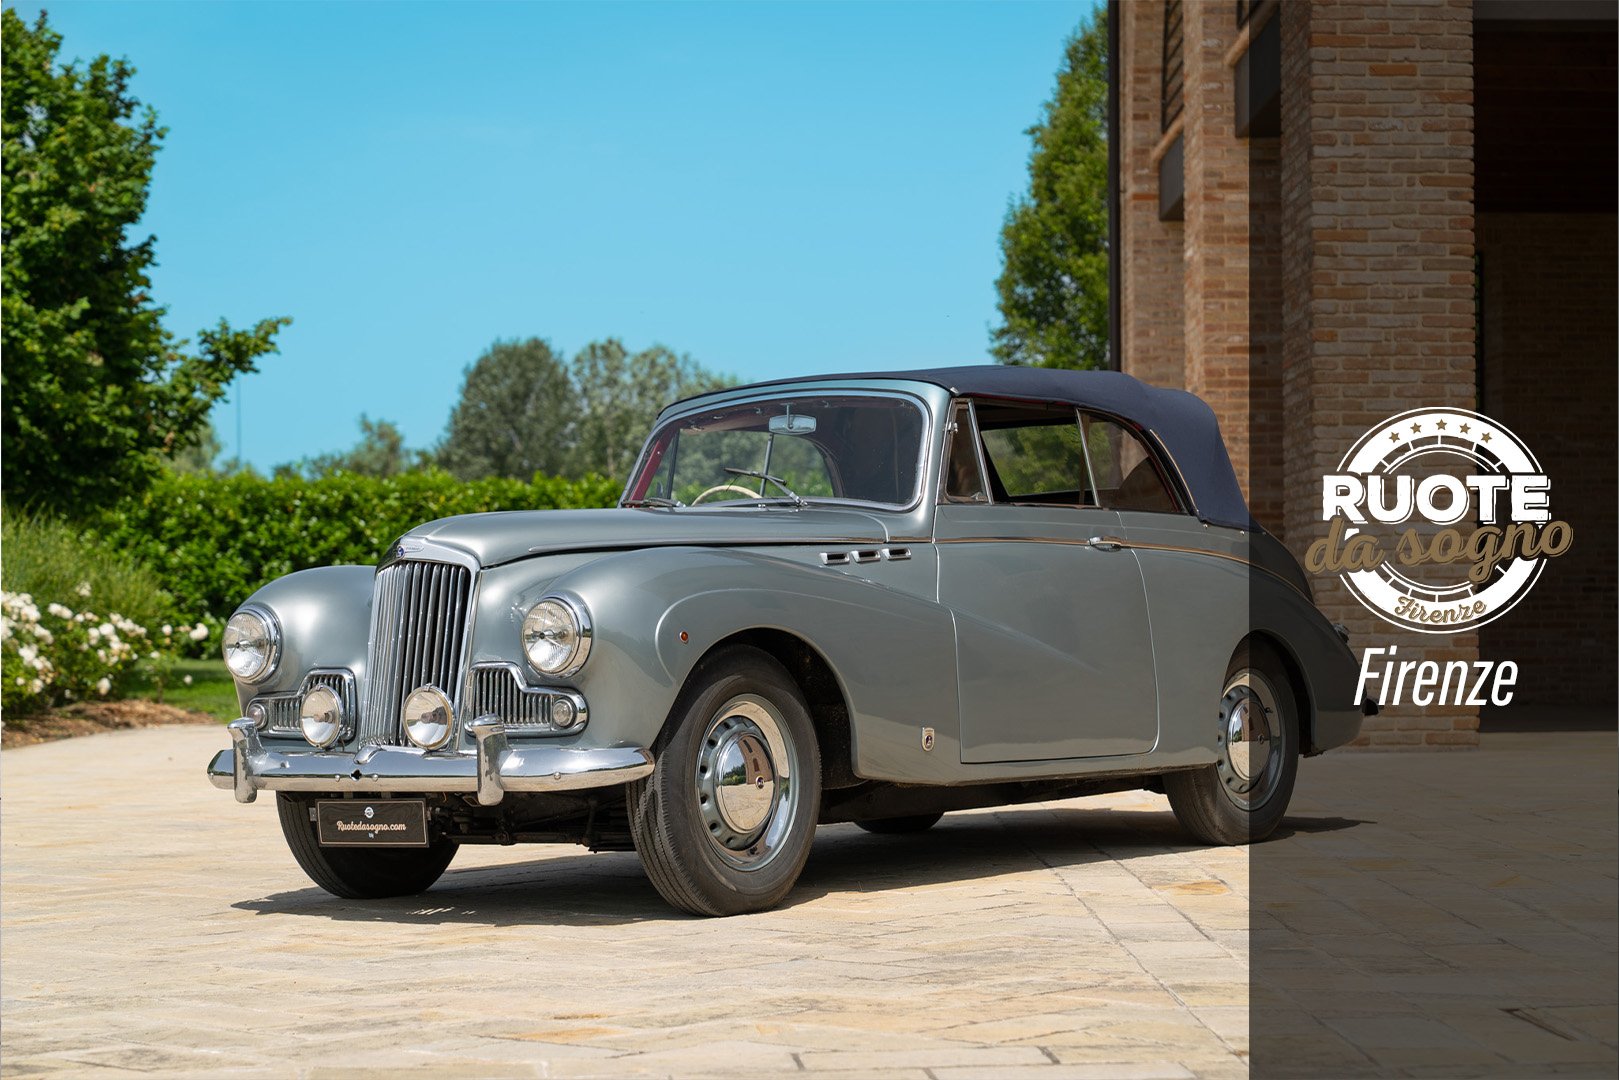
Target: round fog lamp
x=321 y=716
x=427 y=717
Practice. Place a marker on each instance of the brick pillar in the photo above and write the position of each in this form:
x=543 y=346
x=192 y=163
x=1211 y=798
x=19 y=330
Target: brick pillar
x=1217 y=229
x=1377 y=204
x=1151 y=339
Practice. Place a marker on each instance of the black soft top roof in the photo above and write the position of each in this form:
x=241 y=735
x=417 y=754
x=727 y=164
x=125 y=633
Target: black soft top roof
x=1181 y=421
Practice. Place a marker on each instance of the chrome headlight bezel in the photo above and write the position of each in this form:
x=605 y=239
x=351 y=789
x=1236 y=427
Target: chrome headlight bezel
x=271 y=637
x=579 y=627
x=314 y=711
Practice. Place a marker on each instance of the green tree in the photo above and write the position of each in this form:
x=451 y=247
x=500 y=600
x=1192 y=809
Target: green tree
x=197 y=459
x=621 y=394
x=380 y=452
x=96 y=391
x=515 y=416
x=1053 y=286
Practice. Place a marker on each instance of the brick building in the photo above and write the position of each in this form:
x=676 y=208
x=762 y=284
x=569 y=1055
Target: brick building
x=1329 y=212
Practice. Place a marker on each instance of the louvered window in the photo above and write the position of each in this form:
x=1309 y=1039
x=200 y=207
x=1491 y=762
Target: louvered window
x=1174 y=72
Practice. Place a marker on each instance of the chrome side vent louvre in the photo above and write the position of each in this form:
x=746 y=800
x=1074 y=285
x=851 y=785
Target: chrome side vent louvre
x=865 y=555
x=418 y=629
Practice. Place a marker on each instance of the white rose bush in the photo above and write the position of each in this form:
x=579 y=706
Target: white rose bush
x=71 y=652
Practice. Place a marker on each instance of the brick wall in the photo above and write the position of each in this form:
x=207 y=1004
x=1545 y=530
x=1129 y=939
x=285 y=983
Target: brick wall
x=1216 y=254
x=1154 y=282
x=1325 y=278
x=1549 y=345
x=1377 y=187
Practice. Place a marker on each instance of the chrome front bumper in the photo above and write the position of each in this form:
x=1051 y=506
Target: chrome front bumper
x=496 y=768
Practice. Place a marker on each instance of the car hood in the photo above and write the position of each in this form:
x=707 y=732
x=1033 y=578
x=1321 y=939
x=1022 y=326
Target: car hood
x=504 y=537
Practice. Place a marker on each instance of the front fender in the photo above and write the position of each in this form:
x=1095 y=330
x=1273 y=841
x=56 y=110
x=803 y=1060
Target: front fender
x=1325 y=662
x=892 y=652
x=325 y=617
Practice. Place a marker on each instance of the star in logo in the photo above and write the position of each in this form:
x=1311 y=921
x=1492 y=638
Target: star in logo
x=1486 y=437
x=1394 y=436
x=1466 y=428
x=1440 y=425
x=1416 y=427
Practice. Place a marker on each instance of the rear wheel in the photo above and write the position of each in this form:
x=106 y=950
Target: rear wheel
x=896 y=825
x=1243 y=796
x=359 y=873
x=724 y=823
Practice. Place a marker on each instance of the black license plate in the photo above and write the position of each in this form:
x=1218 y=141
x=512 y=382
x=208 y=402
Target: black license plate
x=372 y=823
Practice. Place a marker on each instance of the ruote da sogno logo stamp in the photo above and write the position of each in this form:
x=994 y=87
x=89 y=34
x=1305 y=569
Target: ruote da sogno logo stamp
x=1439 y=521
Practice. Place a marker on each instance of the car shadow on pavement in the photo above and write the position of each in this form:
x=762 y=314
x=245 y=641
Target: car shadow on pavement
x=587 y=889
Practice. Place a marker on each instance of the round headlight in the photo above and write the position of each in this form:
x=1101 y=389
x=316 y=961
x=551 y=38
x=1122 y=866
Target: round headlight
x=321 y=716
x=251 y=641
x=427 y=717
x=556 y=636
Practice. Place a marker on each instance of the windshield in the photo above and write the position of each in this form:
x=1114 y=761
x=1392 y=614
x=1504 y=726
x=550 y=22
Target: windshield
x=863 y=448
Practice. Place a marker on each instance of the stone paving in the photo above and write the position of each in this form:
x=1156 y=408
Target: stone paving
x=148 y=923
x=1442 y=914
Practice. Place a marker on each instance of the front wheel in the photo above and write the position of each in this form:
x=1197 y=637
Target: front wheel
x=1243 y=796
x=724 y=823
x=359 y=873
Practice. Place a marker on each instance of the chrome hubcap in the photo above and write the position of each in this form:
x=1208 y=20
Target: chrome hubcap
x=1251 y=740
x=745 y=794
x=746 y=786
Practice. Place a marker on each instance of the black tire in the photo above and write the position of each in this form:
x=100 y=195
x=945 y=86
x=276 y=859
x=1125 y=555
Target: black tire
x=359 y=873
x=900 y=825
x=694 y=857
x=1207 y=802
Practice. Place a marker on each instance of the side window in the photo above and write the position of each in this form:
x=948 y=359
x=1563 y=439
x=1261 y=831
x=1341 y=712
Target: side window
x=1127 y=476
x=1034 y=455
x=963 y=479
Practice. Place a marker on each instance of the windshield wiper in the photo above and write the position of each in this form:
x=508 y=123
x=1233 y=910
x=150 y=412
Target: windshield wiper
x=654 y=500
x=798 y=500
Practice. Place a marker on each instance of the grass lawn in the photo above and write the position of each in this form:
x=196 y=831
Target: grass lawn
x=211 y=690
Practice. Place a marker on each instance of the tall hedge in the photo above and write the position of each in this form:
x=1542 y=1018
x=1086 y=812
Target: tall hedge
x=213 y=540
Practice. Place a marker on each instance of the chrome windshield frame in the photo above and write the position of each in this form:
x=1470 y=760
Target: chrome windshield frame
x=700 y=405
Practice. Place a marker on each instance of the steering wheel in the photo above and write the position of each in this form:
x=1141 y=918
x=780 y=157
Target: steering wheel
x=725 y=487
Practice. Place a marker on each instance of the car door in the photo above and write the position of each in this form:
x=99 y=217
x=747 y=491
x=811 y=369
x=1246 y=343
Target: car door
x=1053 y=648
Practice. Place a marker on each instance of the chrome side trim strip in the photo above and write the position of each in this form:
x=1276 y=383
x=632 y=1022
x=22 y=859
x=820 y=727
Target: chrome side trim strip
x=1111 y=543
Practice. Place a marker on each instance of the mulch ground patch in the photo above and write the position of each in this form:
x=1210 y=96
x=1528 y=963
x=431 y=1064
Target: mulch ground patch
x=92 y=717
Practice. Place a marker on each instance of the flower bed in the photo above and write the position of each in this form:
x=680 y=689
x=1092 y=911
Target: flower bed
x=55 y=655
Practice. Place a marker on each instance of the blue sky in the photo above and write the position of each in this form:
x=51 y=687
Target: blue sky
x=773 y=188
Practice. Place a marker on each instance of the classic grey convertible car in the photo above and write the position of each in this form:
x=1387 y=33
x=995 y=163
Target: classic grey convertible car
x=867 y=598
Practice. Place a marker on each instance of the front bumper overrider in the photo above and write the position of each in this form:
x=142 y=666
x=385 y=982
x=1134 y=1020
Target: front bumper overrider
x=496 y=767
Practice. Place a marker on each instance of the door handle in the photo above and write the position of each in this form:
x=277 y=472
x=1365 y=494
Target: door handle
x=1106 y=543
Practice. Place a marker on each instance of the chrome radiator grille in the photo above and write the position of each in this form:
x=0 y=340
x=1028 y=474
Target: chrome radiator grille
x=281 y=710
x=496 y=692
x=418 y=627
